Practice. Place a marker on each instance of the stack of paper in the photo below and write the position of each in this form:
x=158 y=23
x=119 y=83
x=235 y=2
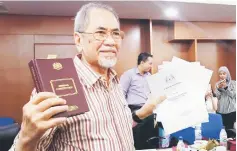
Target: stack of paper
x=185 y=84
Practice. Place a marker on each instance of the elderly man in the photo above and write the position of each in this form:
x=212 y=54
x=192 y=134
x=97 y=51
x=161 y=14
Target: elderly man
x=108 y=124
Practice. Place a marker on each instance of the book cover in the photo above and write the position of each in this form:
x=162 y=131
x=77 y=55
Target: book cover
x=60 y=77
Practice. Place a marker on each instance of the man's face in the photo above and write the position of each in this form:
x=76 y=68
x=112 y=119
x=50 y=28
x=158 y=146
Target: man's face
x=147 y=65
x=100 y=53
x=222 y=75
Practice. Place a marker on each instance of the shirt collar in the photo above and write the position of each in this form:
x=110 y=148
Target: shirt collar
x=138 y=72
x=87 y=75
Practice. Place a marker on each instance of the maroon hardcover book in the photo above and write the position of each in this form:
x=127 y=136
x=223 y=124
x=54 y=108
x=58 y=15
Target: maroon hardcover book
x=60 y=76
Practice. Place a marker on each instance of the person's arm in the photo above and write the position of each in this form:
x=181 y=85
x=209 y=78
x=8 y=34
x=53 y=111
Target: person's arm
x=147 y=109
x=125 y=81
x=231 y=92
x=37 y=122
x=20 y=146
x=218 y=91
x=42 y=145
x=214 y=103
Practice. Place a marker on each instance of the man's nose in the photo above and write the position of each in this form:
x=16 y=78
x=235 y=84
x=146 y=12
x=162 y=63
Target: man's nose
x=109 y=41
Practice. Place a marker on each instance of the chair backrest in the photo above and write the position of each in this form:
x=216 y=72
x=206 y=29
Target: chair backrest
x=187 y=134
x=7 y=135
x=6 y=121
x=212 y=128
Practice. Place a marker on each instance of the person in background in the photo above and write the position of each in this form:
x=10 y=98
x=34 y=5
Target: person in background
x=226 y=95
x=211 y=100
x=134 y=84
x=137 y=92
x=107 y=126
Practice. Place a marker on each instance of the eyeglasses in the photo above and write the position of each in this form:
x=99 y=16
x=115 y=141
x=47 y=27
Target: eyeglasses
x=102 y=35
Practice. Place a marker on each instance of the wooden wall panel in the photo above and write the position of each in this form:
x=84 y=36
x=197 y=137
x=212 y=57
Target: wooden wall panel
x=62 y=51
x=54 y=39
x=214 y=54
x=204 y=30
x=136 y=41
x=192 y=52
x=40 y=25
x=163 y=50
x=15 y=79
x=231 y=55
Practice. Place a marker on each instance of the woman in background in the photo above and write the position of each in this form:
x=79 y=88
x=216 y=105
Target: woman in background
x=211 y=101
x=226 y=95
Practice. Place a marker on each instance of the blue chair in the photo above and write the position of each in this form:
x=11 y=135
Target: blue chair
x=212 y=128
x=187 y=134
x=4 y=121
x=7 y=135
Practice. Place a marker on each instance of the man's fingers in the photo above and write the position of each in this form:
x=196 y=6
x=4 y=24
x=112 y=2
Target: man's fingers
x=50 y=102
x=54 y=122
x=47 y=114
x=162 y=98
x=42 y=96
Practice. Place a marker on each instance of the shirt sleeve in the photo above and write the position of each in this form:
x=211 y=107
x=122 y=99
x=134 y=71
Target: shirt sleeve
x=231 y=92
x=125 y=81
x=43 y=144
x=45 y=140
x=214 y=103
x=218 y=92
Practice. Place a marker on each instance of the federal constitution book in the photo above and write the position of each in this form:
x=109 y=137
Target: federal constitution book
x=60 y=77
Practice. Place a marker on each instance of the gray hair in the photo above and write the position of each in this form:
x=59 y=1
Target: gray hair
x=82 y=18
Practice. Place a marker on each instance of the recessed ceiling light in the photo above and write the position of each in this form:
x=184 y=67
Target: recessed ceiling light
x=171 y=12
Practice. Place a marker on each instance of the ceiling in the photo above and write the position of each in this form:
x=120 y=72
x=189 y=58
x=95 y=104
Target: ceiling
x=195 y=11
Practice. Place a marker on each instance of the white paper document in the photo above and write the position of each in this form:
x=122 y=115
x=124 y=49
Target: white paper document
x=184 y=84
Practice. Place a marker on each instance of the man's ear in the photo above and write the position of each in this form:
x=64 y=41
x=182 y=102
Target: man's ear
x=77 y=38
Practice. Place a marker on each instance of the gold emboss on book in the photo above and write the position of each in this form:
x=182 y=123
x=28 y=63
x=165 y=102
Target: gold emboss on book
x=63 y=87
x=57 y=66
x=72 y=107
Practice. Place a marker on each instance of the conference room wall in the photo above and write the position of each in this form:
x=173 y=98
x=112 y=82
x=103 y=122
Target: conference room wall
x=211 y=51
x=214 y=54
x=163 y=49
x=23 y=38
